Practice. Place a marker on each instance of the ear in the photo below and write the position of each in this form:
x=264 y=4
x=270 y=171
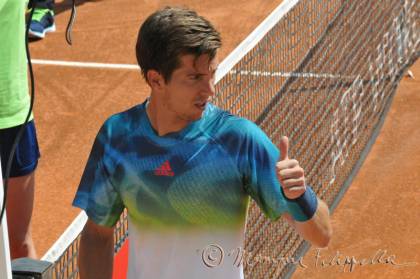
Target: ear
x=155 y=79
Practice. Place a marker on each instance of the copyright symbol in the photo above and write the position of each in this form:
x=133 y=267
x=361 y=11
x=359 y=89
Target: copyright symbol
x=212 y=255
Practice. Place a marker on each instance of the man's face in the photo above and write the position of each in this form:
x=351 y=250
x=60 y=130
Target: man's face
x=191 y=85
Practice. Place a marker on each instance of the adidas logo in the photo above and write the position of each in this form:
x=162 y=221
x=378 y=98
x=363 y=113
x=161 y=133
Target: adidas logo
x=164 y=170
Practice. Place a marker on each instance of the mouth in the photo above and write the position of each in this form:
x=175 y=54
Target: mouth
x=201 y=105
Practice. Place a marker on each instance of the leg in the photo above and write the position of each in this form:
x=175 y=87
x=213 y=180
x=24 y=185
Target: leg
x=20 y=192
x=42 y=20
x=20 y=201
x=45 y=4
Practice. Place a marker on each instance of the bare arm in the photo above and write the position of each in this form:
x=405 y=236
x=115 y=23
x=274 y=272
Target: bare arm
x=317 y=227
x=96 y=253
x=316 y=230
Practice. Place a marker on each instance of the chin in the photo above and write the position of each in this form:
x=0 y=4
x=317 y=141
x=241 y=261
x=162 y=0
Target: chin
x=196 y=117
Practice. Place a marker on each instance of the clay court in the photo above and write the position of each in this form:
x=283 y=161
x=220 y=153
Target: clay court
x=380 y=211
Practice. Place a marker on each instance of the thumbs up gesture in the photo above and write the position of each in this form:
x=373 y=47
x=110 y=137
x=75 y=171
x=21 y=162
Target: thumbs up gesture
x=289 y=173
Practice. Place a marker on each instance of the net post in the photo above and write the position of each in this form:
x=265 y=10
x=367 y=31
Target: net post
x=5 y=266
x=26 y=268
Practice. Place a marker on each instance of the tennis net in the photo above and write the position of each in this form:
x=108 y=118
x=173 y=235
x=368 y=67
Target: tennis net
x=321 y=72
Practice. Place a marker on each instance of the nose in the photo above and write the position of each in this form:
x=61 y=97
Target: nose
x=209 y=88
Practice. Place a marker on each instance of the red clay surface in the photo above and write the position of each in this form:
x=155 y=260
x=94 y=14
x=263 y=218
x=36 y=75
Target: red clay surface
x=379 y=211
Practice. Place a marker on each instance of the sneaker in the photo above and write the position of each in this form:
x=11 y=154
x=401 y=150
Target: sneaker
x=42 y=22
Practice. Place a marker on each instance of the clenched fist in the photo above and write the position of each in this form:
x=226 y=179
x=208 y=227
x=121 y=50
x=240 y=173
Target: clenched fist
x=289 y=173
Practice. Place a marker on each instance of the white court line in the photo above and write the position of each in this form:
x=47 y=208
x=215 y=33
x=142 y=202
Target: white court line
x=85 y=64
x=136 y=67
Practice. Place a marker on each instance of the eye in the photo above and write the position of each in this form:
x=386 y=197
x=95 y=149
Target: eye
x=195 y=77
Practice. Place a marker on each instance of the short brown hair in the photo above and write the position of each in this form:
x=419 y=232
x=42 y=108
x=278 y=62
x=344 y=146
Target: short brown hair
x=171 y=32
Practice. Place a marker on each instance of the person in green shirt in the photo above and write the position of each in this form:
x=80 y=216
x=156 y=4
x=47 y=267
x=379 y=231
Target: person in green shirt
x=14 y=108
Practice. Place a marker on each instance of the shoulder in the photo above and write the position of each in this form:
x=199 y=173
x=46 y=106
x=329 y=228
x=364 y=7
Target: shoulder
x=221 y=123
x=241 y=129
x=119 y=125
x=235 y=132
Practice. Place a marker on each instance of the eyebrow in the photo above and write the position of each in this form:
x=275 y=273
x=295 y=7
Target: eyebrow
x=195 y=72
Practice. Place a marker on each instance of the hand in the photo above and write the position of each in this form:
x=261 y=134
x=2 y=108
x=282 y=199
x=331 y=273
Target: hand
x=289 y=173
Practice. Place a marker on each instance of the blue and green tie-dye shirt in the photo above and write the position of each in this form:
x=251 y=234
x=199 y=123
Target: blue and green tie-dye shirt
x=183 y=191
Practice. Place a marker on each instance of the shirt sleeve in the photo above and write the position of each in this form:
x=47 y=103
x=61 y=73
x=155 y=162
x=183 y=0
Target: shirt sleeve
x=257 y=157
x=96 y=194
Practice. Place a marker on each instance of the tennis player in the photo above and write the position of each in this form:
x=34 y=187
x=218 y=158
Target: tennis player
x=185 y=169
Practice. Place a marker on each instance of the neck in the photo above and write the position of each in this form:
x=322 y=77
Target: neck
x=162 y=120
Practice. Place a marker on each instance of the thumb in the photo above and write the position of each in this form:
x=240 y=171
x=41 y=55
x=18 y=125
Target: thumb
x=284 y=148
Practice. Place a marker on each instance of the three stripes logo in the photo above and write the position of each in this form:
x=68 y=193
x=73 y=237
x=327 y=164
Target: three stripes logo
x=164 y=170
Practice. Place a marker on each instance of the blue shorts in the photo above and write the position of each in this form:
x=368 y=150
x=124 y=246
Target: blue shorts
x=27 y=151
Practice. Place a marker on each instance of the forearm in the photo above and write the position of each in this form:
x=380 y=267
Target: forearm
x=96 y=255
x=306 y=212
x=316 y=230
